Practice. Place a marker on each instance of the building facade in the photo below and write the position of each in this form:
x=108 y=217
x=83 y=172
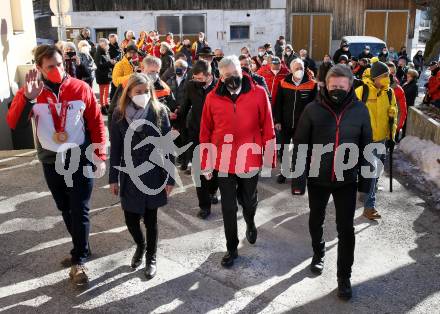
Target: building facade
x=17 y=41
x=317 y=25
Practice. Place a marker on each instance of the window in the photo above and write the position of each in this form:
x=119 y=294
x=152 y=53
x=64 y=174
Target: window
x=104 y=32
x=239 y=32
x=193 y=24
x=183 y=26
x=168 y=24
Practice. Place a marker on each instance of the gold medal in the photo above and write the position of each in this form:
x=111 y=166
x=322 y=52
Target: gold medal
x=60 y=137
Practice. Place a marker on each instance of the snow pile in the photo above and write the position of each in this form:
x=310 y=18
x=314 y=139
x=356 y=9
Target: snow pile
x=425 y=154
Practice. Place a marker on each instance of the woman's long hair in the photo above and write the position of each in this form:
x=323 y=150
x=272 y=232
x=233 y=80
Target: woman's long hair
x=134 y=80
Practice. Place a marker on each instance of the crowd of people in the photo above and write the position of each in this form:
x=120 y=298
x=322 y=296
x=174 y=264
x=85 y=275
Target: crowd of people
x=275 y=96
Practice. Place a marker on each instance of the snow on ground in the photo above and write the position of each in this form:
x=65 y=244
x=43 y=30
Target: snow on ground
x=424 y=154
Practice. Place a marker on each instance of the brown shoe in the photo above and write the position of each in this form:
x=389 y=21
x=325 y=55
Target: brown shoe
x=371 y=214
x=78 y=275
x=66 y=262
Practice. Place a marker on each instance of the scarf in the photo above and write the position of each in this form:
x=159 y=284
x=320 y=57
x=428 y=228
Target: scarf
x=133 y=113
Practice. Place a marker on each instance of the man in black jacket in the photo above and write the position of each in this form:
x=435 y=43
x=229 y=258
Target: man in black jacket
x=202 y=82
x=294 y=93
x=343 y=50
x=337 y=118
x=245 y=63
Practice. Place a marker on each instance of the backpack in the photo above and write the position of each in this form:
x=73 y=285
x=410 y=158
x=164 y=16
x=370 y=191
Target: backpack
x=365 y=91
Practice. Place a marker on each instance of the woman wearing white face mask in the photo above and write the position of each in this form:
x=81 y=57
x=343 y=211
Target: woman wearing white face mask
x=141 y=198
x=87 y=67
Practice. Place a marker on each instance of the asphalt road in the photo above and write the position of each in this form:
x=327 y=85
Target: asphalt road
x=396 y=266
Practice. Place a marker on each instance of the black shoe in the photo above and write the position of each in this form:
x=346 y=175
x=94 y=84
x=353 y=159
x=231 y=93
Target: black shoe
x=251 y=233
x=204 y=213
x=150 y=266
x=104 y=110
x=136 y=261
x=228 y=259
x=317 y=265
x=344 y=288
x=281 y=179
x=214 y=199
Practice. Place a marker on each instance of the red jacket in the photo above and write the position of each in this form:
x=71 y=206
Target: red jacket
x=401 y=103
x=434 y=86
x=83 y=113
x=234 y=129
x=272 y=80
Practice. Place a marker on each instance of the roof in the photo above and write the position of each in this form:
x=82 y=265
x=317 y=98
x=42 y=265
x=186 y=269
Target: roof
x=362 y=39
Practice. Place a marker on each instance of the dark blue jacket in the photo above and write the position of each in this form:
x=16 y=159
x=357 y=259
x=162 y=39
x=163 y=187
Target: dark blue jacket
x=132 y=198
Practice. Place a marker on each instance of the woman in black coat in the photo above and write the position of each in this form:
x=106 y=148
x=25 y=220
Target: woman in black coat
x=103 y=73
x=142 y=192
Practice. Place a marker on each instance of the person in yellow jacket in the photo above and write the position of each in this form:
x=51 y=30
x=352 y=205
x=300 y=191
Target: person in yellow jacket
x=124 y=68
x=380 y=100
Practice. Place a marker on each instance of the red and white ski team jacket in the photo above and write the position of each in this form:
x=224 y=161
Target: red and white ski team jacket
x=83 y=114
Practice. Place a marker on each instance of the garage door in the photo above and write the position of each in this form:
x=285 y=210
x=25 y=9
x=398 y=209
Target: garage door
x=390 y=26
x=312 y=32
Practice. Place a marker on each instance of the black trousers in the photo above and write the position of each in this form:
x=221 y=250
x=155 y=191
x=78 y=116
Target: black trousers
x=206 y=189
x=345 y=202
x=243 y=190
x=286 y=138
x=73 y=202
x=132 y=220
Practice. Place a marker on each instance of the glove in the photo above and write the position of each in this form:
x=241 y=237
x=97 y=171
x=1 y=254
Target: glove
x=392 y=112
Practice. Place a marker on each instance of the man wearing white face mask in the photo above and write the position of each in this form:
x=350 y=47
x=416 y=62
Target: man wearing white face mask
x=294 y=93
x=151 y=67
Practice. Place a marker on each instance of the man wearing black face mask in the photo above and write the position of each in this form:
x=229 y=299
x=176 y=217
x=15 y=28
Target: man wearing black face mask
x=237 y=120
x=245 y=63
x=346 y=121
x=197 y=89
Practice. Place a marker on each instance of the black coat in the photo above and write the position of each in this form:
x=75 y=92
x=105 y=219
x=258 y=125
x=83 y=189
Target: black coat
x=411 y=91
x=179 y=96
x=291 y=100
x=258 y=79
x=192 y=108
x=115 y=52
x=104 y=67
x=167 y=62
x=323 y=69
x=133 y=199
x=339 y=53
x=318 y=125
x=309 y=63
x=289 y=59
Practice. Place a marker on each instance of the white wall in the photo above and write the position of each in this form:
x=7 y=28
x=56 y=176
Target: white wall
x=15 y=50
x=265 y=25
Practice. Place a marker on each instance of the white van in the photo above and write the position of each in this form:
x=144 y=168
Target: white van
x=358 y=43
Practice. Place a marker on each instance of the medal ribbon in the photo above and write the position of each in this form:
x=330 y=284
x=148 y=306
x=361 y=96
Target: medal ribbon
x=59 y=121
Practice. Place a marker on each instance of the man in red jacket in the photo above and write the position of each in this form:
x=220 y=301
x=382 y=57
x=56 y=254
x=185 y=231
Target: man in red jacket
x=67 y=117
x=237 y=128
x=273 y=73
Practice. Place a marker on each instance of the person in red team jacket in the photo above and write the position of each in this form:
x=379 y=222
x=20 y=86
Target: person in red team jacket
x=66 y=114
x=237 y=121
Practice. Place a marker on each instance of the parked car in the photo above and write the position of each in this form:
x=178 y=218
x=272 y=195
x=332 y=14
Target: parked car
x=358 y=43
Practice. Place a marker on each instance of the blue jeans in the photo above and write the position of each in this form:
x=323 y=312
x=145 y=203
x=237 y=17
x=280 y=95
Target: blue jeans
x=370 y=199
x=74 y=206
